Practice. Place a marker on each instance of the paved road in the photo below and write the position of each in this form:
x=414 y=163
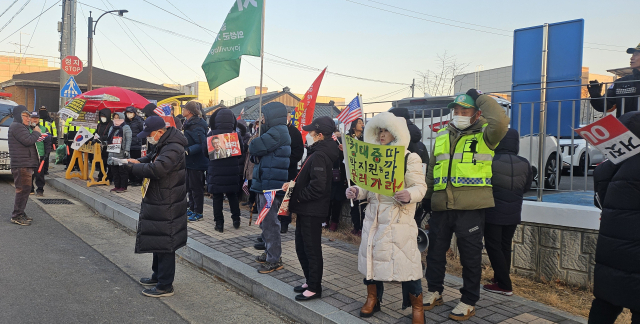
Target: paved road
x=48 y=274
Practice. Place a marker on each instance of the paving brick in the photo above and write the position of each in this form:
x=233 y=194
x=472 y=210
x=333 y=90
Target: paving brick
x=495 y=318
x=483 y=312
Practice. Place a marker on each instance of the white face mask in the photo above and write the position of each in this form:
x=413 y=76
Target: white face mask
x=461 y=122
x=151 y=141
x=309 y=140
x=103 y=119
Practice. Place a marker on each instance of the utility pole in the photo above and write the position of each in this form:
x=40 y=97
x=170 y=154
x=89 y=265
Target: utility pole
x=413 y=88
x=67 y=29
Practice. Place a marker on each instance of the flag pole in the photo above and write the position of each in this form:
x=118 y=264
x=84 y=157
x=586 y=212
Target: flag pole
x=264 y=3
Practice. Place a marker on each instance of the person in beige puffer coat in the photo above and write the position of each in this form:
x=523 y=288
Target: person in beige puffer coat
x=389 y=249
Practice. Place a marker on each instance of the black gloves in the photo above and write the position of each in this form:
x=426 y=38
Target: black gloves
x=595 y=89
x=474 y=94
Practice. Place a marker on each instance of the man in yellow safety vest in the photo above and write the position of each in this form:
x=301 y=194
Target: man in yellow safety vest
x=48 y=122
x=459 y=181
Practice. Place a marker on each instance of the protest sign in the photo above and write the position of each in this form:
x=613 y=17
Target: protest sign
x=82 y=136
x=612 y=138
x=223 y=146
x=74 y=108
x=116 y=145
x=86 y=119
x=376 y=168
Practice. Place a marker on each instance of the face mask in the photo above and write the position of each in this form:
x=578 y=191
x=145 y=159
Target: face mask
x=151 y=141
x=130 y=115
x=309 y=140
x=103 y=119
x=461 y=122
x=118 y=122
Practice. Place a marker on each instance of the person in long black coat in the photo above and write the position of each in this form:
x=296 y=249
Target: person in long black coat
x=162 y=223
x=511 y=179
x=223 y=174
x=617 y=271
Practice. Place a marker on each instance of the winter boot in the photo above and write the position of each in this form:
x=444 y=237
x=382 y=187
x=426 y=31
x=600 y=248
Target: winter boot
x=417 y=308
x=372 y=304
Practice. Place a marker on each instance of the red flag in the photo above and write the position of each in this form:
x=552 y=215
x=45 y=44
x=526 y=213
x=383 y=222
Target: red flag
x=241 y=113
x=307 y=106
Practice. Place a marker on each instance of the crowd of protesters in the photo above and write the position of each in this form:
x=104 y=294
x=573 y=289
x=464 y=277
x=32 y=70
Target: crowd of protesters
x=472 y=185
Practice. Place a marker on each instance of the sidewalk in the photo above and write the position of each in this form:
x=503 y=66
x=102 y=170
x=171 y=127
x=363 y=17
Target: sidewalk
x=230 y=255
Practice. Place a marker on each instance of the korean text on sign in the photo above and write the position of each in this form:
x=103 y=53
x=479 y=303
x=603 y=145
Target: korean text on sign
x=612 y=138
x=377 y=168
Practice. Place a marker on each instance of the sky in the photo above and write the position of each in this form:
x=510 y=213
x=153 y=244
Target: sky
x=391 y=43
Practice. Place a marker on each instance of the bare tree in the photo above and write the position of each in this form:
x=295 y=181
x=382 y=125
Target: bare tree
x=441 y=81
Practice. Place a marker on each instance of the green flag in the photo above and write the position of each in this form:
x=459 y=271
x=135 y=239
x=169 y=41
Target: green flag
x=240 y=35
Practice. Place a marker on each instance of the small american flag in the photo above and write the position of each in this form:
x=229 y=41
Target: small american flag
x=268 y=195
x=163 y=110
x=42 y=137
x=351 y=112
x=245 y=187
x=335 y=138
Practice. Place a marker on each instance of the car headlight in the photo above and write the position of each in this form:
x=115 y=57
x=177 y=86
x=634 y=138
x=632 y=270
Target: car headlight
x=568 y=148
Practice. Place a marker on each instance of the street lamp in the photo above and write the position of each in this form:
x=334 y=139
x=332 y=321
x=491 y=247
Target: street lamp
x=92 y=31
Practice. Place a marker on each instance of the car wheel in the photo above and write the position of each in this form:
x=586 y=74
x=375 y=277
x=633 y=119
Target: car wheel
x=579 y=170
x=551 y=173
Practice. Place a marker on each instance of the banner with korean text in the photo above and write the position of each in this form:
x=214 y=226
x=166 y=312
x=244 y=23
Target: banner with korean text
x=612 y=138
x=377 y=168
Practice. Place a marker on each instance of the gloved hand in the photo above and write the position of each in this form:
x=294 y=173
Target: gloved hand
x=351 y=192
x=474 y=94
x=426 y=205
x=96 y=136
x=403 y=196
x=595 y=89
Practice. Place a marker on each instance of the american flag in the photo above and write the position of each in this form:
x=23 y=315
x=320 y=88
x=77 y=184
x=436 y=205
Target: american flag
x=268 y=196
x=351 y=112
x=163 y=110
x=335 y=138
x=245 y=187
x=42 y=137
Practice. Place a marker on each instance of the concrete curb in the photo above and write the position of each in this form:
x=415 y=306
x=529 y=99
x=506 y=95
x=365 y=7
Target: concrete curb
x=265 y=288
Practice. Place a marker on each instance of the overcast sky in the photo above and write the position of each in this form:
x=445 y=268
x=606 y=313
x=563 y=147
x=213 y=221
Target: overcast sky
x=350 y=37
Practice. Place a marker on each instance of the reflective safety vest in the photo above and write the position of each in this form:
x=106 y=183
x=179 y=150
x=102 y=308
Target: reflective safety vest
x=468 y=166
x=50 y=126
x=68 y=127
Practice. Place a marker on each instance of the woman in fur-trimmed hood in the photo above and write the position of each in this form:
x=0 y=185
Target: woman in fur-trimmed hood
x=389 y=249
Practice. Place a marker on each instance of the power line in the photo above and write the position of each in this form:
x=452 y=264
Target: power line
x=30 y=38
x=130 y=58
x=30 y=21
x=14 y=15
x=5 y=11
x=171 y=13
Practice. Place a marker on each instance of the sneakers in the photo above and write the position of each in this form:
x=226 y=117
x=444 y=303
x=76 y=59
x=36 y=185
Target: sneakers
x=29 y=219
x=333 y=227
x=219 y=228
x=114 y=190
x=153 y=292
x=195 y=217
x=121 y=190
x=262 y=258
x=462 y=312
x=497 y=290
x=260 y=246
x=433 y=299
x=39 y=194
x=189 y=212
x=148 y=282
x=20 y=220
x=268 y=267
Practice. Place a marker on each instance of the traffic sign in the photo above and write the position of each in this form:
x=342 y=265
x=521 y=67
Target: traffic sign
x=72 y=65
x=70 y=89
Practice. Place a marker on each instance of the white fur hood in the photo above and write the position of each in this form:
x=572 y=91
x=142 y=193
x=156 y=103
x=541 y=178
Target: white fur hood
x=397 y=126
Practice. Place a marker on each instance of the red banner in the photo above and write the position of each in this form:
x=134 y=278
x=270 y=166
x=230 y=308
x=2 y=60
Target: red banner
x=307 y=106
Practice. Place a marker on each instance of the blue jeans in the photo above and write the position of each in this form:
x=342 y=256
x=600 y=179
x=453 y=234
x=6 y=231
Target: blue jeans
x=413 y=287
x=271 y=228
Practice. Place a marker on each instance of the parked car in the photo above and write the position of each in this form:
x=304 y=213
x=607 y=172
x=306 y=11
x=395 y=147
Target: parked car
x=575 y=156
x=6 y=118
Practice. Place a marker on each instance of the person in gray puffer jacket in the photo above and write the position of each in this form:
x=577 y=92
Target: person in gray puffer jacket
x=23 y=136
x=119 y=141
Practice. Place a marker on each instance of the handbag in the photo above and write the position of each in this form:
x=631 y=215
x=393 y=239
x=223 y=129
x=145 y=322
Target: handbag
x=284 y=205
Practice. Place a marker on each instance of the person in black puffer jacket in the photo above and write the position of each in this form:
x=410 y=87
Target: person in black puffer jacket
x=223 y=174
x=243 y=137
x=136 y=124
x=162 y=223
x=617 y=271
x=195 y=130
x=511 y=179
x=310 y=201
x=102 y=130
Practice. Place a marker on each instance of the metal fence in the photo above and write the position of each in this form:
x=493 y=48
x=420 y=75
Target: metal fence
x=554 y=159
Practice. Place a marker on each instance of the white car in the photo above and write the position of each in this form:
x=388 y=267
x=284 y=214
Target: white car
x=575 y=155
x=6 y=118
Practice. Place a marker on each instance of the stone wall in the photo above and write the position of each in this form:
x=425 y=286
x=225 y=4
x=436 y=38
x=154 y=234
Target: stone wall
x=554 y=252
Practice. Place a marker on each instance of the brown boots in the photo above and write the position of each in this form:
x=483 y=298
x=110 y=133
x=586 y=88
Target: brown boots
x=372 y=304
x=417 y=308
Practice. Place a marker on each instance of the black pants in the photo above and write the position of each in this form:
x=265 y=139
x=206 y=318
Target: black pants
x=135 y=154
x=164 y=269
x=497 y=242
x=38 y=177
x=195 y=190
x=468 y=226
x=309 y=250
x=602 y=312
x=334 y=211
x=120 y=176
x=413 y=287
x=22 y=178
x=357 y=213
x=234 y=205
x=252 y=195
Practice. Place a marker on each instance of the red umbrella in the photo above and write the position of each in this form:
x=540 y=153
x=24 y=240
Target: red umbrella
x=114 y=98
